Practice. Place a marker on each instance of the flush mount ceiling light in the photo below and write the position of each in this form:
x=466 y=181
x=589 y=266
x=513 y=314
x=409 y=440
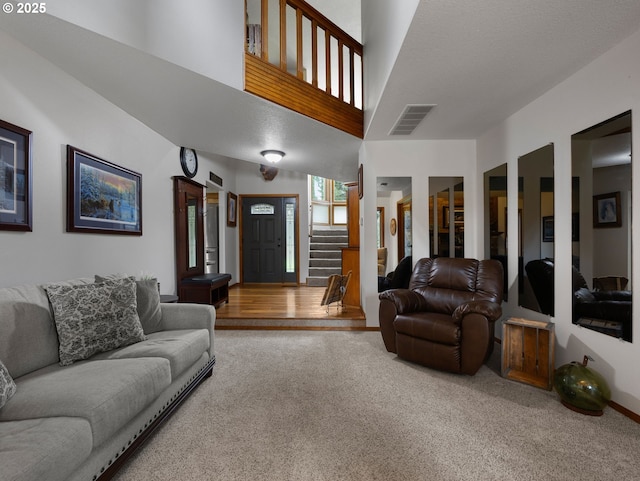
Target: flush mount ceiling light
x=272 y=156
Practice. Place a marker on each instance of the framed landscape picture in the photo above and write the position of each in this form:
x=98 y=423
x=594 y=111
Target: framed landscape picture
x=15 y=177
x=102 y=197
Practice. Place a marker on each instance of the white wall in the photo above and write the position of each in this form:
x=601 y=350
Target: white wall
x=418 y=160
x=59 y=110
x=223 y=167
x=607 y=87
x=199 y=35
x=385 y=25
x=249 y=180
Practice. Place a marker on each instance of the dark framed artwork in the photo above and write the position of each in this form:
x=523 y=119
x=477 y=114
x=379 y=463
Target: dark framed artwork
x=547 y=228
x=15 y=178
x=607 y=210
x=360 y=182
x=232 y=209
x=102 y=197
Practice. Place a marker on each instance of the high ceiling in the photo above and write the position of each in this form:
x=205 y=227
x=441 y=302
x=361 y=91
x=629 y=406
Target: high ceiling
x=481 y=61
x=478 y=61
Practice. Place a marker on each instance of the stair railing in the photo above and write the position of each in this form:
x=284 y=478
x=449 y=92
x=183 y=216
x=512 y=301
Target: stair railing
x=299 y=40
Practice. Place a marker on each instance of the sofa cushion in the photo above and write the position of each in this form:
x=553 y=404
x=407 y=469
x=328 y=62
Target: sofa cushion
x=431 y=326
x=7 y=385
x=27 y=326
x=46 y=448
x=106 y=393
x=181 y=348
x=94 y=318
x=147 y=301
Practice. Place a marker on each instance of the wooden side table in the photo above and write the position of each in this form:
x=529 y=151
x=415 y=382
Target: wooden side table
x=528 y=351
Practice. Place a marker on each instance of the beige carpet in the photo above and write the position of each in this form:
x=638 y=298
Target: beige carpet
x=309 y=405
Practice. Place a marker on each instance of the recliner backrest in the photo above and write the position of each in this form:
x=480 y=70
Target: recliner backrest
x=448 y=282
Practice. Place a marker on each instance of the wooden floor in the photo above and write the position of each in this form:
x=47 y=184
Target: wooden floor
x=268 y=306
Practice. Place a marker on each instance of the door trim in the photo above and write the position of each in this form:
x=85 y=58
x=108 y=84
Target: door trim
x=241 y=198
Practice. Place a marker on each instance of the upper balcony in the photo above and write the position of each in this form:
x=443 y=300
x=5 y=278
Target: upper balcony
x=299 y=59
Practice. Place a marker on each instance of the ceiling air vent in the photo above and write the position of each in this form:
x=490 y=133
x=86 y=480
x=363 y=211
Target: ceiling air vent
x=409 y=119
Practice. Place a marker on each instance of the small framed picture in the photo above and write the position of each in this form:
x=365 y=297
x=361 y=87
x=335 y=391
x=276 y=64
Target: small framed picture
x=102 y=197
x=232 y=209
x=606 y=210
x=15 y=178
x=547 y=228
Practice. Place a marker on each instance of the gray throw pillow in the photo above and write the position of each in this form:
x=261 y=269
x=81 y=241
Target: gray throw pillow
x=94 y=318
x=7 y=385
x=148 y=302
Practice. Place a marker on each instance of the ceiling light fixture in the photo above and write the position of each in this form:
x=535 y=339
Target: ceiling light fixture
x=272 y=156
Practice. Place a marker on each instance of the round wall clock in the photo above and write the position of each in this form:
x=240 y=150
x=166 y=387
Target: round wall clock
x=393 y=226
x=189 y=162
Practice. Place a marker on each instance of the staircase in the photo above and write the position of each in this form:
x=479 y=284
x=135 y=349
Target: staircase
x=325 y=255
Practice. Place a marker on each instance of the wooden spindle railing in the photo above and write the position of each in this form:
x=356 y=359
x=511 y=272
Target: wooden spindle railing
x=333 y=94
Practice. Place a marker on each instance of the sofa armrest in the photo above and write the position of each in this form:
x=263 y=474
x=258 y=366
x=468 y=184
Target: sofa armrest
x=491 y=310
x=622 y=296
x=189 y=316
x=405 y=300
x=619 y=311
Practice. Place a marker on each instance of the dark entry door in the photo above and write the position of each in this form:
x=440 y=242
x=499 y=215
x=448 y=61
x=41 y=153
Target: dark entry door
x=266 y=239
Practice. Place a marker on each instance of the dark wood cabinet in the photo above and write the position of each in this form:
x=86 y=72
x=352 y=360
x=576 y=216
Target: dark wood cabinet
x=192 y=283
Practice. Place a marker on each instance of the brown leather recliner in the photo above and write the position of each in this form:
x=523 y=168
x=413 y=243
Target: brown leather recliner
x=445 y=319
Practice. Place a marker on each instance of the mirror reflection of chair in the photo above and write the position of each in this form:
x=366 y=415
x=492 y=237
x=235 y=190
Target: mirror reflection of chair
x=606 y=311
x=398 y=278
x=382 y=261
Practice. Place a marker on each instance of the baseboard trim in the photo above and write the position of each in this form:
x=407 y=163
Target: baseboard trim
x=612 y=404
x=626 y=412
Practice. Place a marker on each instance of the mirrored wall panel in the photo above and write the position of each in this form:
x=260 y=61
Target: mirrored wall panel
x=446 y=216
x=536 y=231
x=394 y=230
x=495 y=218
x=601 y=234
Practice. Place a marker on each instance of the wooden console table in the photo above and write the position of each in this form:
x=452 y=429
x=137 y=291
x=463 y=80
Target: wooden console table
x=210 y=289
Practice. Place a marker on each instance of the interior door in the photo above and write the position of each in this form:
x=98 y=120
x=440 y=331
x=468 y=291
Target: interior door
x=263 y=239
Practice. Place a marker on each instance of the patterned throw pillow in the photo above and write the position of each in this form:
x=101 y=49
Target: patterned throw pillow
x=94 y=318
x=7 y=385
x=147 y=299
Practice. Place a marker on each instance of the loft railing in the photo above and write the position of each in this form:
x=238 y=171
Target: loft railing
x=289 y=38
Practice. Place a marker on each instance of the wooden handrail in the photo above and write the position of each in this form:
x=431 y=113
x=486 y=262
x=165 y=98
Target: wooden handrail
x=346 y=45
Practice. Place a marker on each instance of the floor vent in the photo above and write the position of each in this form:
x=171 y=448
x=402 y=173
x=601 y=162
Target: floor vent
x=409 y=119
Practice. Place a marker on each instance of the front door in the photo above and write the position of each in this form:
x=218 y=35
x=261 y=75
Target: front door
x=268 y=239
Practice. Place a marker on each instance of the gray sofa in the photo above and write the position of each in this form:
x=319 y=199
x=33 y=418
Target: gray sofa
x=83 y=420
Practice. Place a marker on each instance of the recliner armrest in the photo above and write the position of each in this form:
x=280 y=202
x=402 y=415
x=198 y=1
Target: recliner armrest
x=491 y=310
x=405 y=300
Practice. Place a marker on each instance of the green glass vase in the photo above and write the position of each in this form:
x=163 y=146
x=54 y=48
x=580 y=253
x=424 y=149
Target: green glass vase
x=581 y=388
